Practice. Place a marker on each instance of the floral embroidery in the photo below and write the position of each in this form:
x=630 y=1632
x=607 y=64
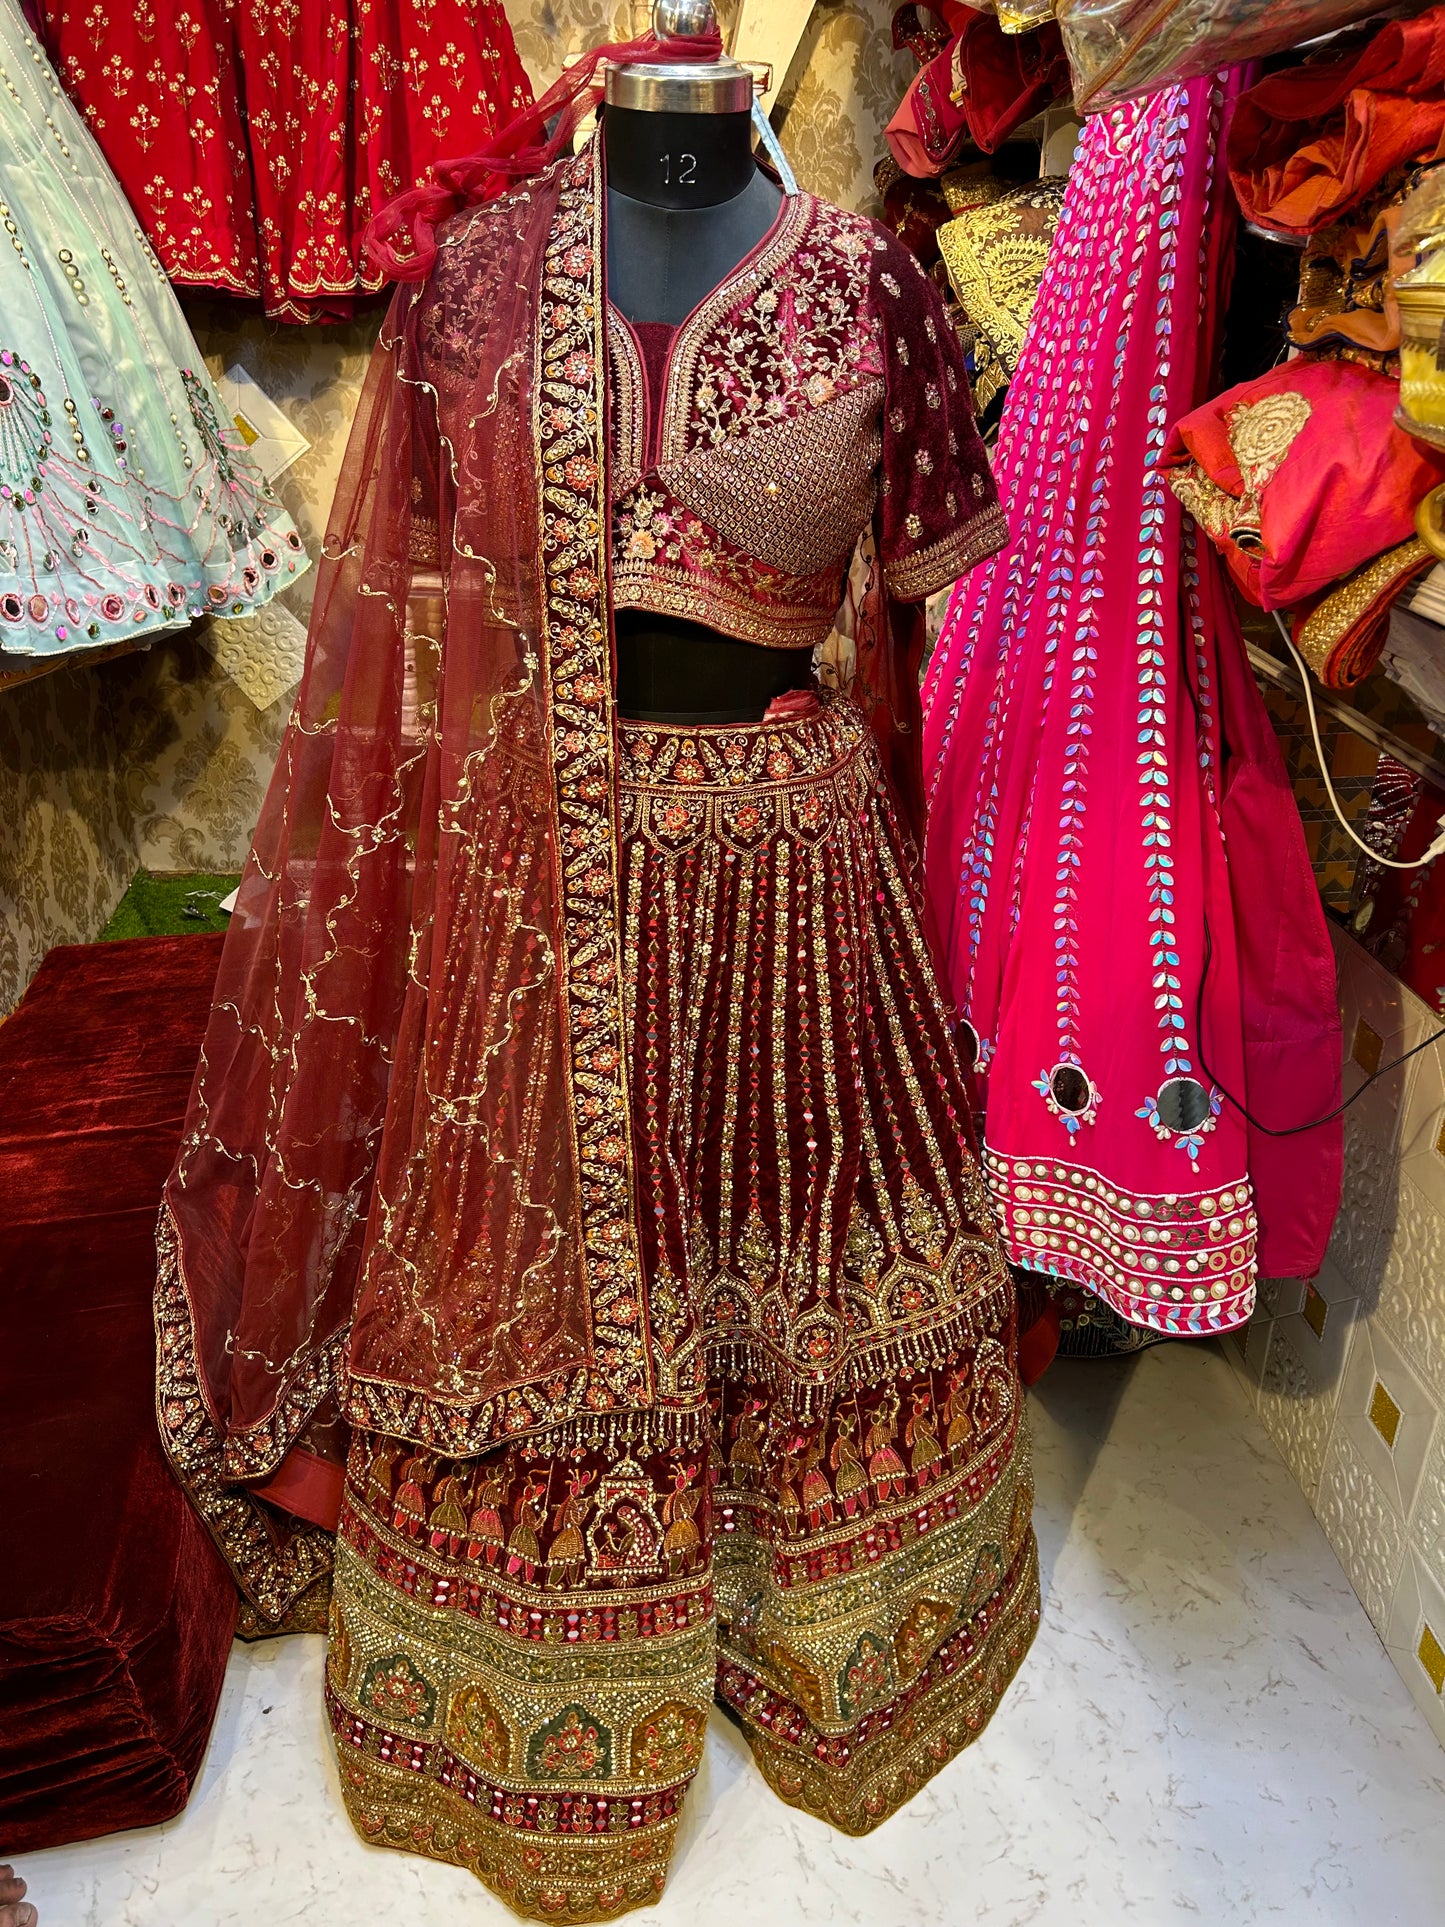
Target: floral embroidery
x=774 y=440
x=571 y=371
x=666 y=1745
x=575 y=1746
x=866 y=1678
x=395 y=1691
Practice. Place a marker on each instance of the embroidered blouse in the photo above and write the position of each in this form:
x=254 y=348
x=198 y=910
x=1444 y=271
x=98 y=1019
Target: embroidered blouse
x=820 y=382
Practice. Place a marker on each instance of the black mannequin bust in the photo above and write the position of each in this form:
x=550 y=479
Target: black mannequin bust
x=686 y=201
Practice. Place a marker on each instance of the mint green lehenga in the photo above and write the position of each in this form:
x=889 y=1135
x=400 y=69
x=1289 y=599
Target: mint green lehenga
x=128 y=504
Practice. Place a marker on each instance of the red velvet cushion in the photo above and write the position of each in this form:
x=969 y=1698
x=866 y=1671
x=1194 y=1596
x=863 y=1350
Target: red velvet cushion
x=116 y=1611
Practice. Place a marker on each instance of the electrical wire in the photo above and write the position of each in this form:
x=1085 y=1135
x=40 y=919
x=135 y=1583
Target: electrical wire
x=1289 y=1130
x=1389 y=862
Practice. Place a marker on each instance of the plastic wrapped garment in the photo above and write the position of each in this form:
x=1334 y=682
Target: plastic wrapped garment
x=1122 y=48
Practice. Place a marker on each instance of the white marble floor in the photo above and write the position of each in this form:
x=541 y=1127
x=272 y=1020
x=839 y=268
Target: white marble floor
x=1207 y=1732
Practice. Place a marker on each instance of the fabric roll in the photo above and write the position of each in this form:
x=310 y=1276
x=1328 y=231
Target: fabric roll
x=1341 y=634
x=1347 y=295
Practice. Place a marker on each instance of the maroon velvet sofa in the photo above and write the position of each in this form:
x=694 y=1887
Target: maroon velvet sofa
x=116 y=1611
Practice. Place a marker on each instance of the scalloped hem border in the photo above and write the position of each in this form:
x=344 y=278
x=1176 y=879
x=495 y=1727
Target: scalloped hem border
x=1181 y=1263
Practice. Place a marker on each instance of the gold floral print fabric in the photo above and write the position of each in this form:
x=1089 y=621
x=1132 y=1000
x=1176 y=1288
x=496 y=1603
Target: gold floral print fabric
x=995 y=255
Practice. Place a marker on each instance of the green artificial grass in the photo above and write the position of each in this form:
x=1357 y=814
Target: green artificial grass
x=178 y=904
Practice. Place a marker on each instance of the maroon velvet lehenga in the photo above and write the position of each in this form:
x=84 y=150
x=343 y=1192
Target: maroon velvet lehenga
x=255 y=142
x=578 y=1196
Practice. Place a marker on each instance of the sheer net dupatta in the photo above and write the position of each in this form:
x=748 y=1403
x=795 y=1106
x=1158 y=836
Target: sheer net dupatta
x=404 y=1198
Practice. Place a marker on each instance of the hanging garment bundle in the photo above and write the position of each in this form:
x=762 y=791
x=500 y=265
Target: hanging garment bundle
x=255 y=143
x=128 y=502
x=1310 y=143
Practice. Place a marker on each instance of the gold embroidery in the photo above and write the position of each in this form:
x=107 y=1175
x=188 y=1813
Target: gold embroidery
x=1261 y=434
x=820 y=467
x=996 y=256
x=912 y=577
x=1378 y=582
x=629 y=427
x=1212 y=507
x=571 y=368
x=275 y=1566
x=723 y=383
x=771 y=441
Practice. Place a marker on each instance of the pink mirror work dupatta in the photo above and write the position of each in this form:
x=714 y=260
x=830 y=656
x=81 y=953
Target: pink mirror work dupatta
x=1115 y=865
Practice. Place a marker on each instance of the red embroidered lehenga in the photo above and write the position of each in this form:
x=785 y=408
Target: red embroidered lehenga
x=579 y=1131
x=256 y=141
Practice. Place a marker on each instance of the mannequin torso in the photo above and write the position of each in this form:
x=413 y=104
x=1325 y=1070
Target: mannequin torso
x=686 y=202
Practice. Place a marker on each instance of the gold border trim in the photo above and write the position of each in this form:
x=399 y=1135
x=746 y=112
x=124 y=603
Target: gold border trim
x=1350 y=601
x=570 y=370
x=916 y=577
x=274 y=1561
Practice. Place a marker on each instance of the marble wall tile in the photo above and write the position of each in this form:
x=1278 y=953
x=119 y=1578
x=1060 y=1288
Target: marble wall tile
x=1360 y=1242
x=1427 y=1520
x=1388 y=1413
x=1353 y=1386
x=1415 y=1638
x=1363 y=1525
x=1237 y=1346
x=1247 y=1347
x=1280 y=1297
x=1397 y=1016
x=1422 y=1127
x=1411 y=1304
x=1297 y=1401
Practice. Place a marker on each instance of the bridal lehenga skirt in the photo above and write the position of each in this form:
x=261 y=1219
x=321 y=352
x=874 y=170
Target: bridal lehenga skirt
x=828 y=1531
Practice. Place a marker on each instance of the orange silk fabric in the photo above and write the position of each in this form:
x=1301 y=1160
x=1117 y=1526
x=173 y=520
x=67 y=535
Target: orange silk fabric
x=1310 y=143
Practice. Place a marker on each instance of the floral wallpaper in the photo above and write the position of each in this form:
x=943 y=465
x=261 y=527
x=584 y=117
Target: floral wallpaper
x=67 y=847
x=842 y=91
x=158 y=759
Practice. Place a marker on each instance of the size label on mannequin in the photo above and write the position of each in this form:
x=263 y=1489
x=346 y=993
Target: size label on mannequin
x=678 y=170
